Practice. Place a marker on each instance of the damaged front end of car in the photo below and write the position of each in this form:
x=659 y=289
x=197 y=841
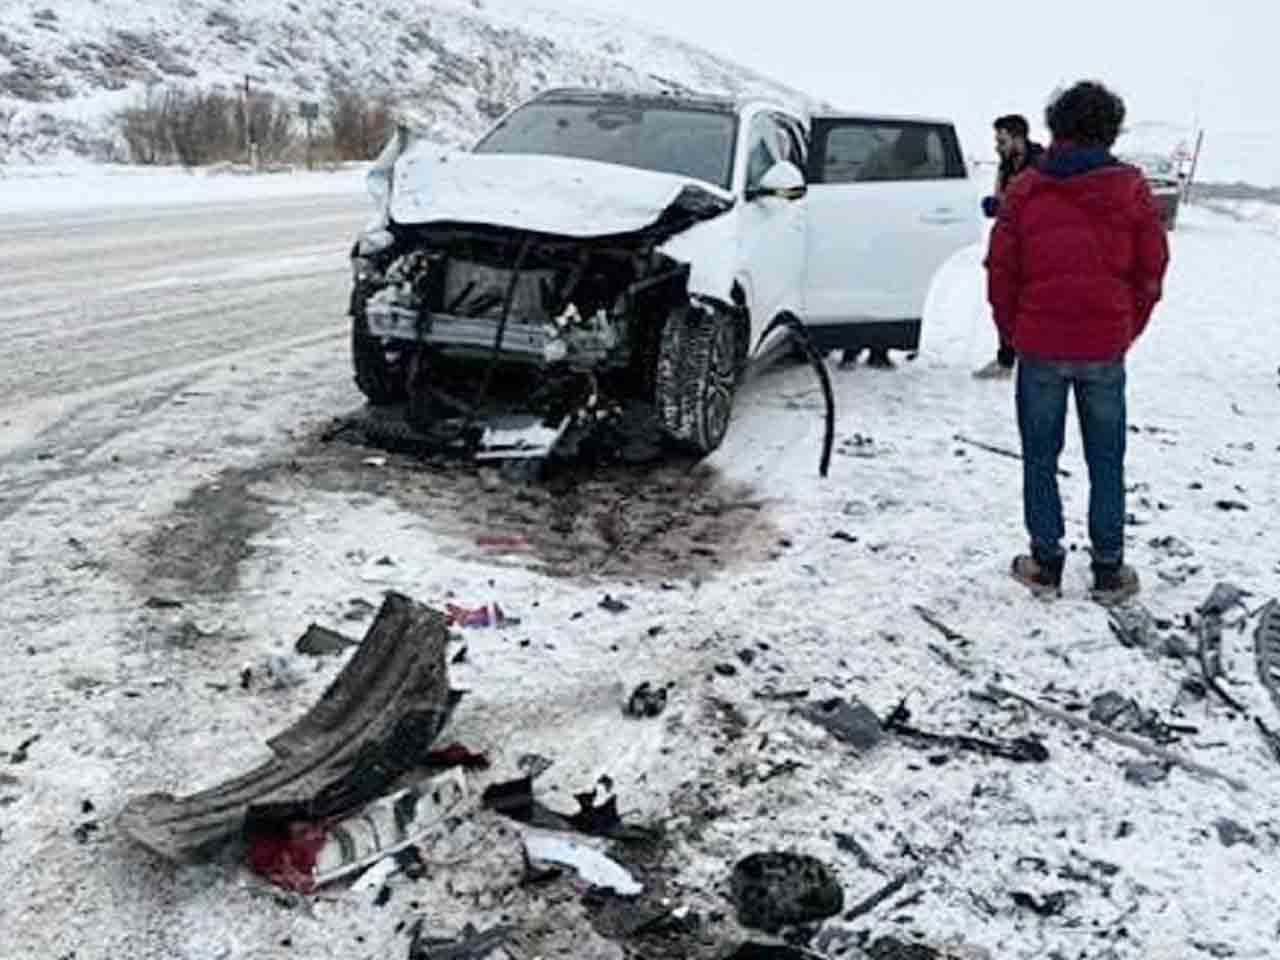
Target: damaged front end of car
x=505 y=342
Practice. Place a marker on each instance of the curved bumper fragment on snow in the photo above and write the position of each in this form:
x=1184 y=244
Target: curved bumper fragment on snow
x=376 y=721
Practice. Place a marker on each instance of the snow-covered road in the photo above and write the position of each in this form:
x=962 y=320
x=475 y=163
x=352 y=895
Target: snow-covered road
x=167 y=372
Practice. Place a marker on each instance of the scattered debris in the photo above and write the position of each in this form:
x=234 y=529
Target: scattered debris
x=1118 y=712
x=359 y=610
x=853 y=723
x=951 y=636
x=1231 y=833
x=1173 y=547
x=470 y=944
x=726 y=669
x=305 y=854
x=163 y=603
x=613 y=605
x=775 y=890
x=1134 y=626
x=646 y=700
x=888 y=891
x=952 y=661
x=999 y=451
x=1229 y=506
x=272 y=672
x=1051 y=905
x=1123 y=739
x=1224 y=597
x=1147 y=774
x=478 y=617
x=320 y=641
x=849 y=844
x=375 y=722
x=456 y=756
x=21 y=754
x=1266 y=642
x=589 y=863
x=376 y=877
x=515 y=799
x=844 y=537
x=534 y=765
x=780 y=696
x=409 y=862
x=1019 y=750
x=84 y=833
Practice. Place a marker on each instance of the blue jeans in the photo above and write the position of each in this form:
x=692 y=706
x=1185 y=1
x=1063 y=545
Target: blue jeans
x=1042 y=390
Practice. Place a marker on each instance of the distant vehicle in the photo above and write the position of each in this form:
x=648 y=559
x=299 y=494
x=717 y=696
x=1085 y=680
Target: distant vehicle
x=597 y=250
x=1165 y=180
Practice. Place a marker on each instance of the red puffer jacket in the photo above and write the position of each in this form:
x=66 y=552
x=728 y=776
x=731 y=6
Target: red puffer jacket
x=1077 y=258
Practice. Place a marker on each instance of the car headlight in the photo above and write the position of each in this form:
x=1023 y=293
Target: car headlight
x=373 y=242
x=378 y=183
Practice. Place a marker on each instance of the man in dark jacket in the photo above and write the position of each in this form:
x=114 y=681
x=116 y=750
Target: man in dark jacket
x=1075 y=267
x=1017 y=152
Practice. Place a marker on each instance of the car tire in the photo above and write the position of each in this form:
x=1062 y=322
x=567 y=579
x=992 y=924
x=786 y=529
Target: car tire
x=696 y=378
x=382 y=381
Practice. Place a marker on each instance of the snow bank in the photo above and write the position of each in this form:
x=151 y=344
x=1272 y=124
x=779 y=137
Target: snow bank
x=87 y=186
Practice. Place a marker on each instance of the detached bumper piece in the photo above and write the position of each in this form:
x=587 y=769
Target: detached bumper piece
x=375 y=722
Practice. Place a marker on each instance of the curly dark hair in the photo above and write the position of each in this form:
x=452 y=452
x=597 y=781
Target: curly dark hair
x=1088 y=114
x=1014 y=124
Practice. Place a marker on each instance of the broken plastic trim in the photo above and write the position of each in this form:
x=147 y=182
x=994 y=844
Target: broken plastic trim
x=375 y=721
x=801 y=333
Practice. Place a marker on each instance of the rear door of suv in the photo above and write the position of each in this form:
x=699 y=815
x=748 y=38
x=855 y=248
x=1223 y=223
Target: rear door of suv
x=890 y=200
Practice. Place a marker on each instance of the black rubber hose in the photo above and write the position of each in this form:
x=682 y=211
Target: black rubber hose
x=801 y=333
x=499 y=336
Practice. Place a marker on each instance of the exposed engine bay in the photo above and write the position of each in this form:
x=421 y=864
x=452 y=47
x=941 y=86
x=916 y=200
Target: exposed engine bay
x=472 y=326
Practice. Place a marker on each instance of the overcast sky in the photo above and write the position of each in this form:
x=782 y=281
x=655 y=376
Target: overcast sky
x=974 y=60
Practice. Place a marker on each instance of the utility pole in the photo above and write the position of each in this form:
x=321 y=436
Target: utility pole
x=1195 y=160
x=309 y=110
x=250 y=143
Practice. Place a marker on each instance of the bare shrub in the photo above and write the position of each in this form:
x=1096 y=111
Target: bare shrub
x=145 y=128
x=270 y=126
x=201 y=127
x=359 y=123
x=197 y=127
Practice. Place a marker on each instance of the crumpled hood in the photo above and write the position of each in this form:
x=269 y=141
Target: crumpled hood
x=544 y=194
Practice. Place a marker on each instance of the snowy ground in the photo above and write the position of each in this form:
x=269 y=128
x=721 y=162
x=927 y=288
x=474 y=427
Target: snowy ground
x=167 y=372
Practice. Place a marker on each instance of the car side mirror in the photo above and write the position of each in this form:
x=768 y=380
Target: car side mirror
x=784 y=181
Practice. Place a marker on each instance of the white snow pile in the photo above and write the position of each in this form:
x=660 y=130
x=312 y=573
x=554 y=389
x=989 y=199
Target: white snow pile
x=452 y=66
x=82 y=186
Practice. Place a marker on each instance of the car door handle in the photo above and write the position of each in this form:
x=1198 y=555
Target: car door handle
x=942 y=215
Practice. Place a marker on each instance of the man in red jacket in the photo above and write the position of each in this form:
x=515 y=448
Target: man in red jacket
x=1075 y=267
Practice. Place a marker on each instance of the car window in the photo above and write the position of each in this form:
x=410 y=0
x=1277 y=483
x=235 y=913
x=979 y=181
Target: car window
x=765 y=146
x=868 y=151
x=688 y=142
x=793 y=142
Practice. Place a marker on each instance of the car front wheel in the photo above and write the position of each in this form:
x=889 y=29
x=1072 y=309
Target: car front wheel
x=380 y=378
x=696 y=377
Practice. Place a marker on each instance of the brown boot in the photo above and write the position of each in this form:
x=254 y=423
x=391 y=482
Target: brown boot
x=1114 y=584
x=1043 y=579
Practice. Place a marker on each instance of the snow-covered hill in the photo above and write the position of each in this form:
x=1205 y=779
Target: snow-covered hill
x=451 y=65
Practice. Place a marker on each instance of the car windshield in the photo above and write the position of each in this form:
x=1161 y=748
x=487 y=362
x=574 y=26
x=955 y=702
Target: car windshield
x=686 y=141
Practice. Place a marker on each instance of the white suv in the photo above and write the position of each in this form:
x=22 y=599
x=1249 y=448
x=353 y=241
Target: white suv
x=596 y=252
